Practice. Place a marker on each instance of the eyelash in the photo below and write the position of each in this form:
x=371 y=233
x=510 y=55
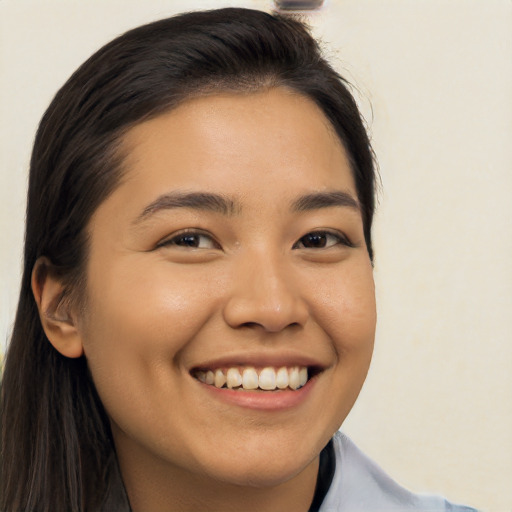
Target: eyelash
x=190 y=234
x=339 y=239
x=195 y=235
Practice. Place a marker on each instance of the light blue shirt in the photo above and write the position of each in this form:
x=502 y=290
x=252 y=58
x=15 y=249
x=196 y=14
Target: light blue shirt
x=359 y=485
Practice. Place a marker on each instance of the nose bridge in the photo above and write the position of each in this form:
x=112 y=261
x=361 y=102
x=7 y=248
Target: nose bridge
x=265 y=293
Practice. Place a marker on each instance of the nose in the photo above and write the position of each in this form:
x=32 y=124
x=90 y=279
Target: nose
x=265 y=294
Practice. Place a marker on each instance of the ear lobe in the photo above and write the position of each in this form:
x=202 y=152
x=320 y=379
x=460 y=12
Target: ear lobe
x=57 y=319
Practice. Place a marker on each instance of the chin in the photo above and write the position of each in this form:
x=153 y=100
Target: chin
x=262 y=467
x=264 y=475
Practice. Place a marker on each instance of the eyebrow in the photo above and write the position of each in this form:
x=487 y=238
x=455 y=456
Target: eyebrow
x=217 y=203
x=194 y=200
x=320 y=200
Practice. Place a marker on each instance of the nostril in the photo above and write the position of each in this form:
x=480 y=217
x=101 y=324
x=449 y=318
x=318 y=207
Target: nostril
x=255 y=325
x=251 y=325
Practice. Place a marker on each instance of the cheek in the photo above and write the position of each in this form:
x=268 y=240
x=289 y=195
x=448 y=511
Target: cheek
x=345 y=308
x=139 y=295
x=140 y=317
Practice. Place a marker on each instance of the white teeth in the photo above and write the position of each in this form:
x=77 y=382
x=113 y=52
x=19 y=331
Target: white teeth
x=220 y=378
x=282 y=378
x=250 y=379
x=267 y=379
x=294 y=379
x=233 y=378
x=303 y=376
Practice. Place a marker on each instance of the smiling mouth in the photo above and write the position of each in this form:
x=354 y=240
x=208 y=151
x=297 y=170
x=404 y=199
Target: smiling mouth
x=252 y=379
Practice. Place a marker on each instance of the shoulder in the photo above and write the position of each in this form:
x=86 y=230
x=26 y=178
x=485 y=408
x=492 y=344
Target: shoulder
x=360 y=485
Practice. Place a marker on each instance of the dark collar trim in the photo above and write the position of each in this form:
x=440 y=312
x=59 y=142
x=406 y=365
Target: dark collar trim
x=326 y=470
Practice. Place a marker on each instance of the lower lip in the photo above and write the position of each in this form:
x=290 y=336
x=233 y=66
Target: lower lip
x=262 y=400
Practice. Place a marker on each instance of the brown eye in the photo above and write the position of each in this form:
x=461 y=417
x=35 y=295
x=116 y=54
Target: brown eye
x=192 y=240
x=314 y=240
x=188 y=241
x=321 y=240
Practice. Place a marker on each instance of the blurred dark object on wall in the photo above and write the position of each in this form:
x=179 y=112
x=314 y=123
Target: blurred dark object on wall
x=298 y=5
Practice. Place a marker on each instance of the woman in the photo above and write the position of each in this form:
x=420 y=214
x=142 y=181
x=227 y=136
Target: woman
x=197 y=309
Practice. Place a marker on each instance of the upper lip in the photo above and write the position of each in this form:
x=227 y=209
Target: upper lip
x=261 y=359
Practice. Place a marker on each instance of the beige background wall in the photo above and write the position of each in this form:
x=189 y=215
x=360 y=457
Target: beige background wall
x=436 y=411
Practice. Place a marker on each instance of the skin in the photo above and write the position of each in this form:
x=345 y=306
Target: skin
x=251 y=287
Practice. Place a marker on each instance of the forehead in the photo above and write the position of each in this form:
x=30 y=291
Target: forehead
x=264 y=146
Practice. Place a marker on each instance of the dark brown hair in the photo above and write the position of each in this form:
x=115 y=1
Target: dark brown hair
x=56 y=448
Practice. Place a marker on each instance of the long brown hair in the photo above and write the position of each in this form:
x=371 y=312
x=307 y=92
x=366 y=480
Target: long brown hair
x=57 y=452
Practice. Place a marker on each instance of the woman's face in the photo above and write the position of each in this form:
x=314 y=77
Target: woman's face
x=233 y=245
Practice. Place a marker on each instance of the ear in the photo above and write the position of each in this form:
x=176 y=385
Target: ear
x=59 y=322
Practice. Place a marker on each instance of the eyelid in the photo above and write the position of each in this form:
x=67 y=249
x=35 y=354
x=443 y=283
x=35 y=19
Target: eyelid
x=342 y=239
x=168 y=240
